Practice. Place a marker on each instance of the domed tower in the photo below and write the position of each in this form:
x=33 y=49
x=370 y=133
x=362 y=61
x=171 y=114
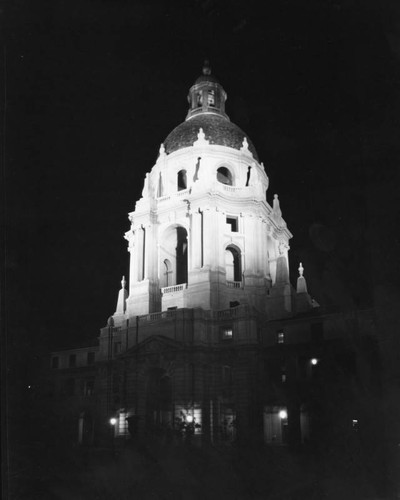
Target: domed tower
x=203 y=234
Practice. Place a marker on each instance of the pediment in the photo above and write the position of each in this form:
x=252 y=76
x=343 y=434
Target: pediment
x=156 y=344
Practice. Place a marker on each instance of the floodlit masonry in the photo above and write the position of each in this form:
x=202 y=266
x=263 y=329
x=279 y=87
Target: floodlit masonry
x=209 y=336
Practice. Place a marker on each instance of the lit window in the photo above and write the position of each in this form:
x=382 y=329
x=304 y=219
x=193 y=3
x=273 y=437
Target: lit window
x=72 y=360
x=280 y=337
x=211 y=97
x=227 y=333
x=233 y=222
x=55 y=362
x=122 y=427
x=355 y=425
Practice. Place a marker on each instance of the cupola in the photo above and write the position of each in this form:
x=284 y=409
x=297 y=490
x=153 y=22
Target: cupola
x=206 y=95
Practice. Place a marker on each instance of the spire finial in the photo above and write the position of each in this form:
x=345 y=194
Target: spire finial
x=123 y=282
x=301 y=281
x=276 y=206
x=206 y=67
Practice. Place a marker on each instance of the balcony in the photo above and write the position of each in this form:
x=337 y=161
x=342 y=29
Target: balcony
x=173 y=288
x=173 y=296
x=234 y=284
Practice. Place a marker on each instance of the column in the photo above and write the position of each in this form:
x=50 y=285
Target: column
x=196 y=247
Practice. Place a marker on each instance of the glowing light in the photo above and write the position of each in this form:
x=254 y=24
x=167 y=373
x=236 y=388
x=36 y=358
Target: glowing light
x=283 y=414
x=314 y=361
x=189 y=419
x=113 y=421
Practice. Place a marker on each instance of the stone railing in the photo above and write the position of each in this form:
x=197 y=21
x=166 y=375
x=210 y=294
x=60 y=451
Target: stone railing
x=174 y=288
x=232 y=312
x=178 y=194
x=234 y=284
x=231 y=189
x=158 y=315
x=184 y=192
x=164 y=198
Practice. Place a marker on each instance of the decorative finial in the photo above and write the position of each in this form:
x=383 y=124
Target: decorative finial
x=201 y=139
x=162 y=149
x=123 y=282
x=245 y=144
x=206 y=67
x=301 y=281
x=276 y=205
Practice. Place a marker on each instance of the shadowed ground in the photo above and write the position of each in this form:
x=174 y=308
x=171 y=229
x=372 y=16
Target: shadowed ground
x=178 y=470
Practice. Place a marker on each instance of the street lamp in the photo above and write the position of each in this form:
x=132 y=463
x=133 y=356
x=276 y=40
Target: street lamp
x=112 y=421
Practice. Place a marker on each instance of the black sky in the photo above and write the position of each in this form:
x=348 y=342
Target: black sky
x=94 y=87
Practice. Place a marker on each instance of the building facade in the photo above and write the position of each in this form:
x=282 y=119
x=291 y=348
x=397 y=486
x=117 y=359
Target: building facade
x=209 y=337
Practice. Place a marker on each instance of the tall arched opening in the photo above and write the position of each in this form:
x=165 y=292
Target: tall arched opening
x=233 y=264
x=174 y=257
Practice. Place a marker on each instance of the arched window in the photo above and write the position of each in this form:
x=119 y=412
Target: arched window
x=233 y=264
x=173 y=264
x=182 y=180
x=224 y=176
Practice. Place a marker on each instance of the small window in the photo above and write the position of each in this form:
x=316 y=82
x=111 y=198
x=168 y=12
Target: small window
x=55 y=362
x=211 y=98
x=224 y=176
x=72 y=360
x=88 y=387
x=280 y=337
x=233 y=222
x=90 y=358
x=182 y=180
x=199 y=98
x=227 y=333
x=234 y=303
x=283 y=372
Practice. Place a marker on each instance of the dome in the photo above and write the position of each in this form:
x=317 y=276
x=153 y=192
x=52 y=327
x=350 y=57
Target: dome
x=217 y=129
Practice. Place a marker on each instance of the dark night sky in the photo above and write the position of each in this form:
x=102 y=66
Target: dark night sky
x=94 y=87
